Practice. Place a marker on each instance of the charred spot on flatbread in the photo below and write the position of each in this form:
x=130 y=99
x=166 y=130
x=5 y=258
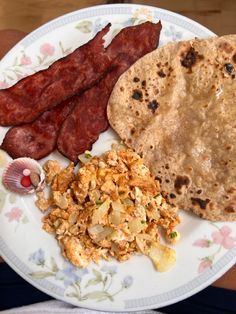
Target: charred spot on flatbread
x=136 y=79
x=190 y=58
x=158 y=178
x=193 y=130
x=234 y=58
x=180 y=182
x=144 y=83
x=230 y=209
x=137 y=94
x=200 y=202
x=229 y=68
x=225 y=46
x=161 y=73
x=132 y=131
x=153 y=105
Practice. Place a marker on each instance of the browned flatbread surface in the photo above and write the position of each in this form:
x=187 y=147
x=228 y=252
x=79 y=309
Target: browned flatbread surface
x=177 y=108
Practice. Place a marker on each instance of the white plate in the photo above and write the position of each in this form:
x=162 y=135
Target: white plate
x=205 y=251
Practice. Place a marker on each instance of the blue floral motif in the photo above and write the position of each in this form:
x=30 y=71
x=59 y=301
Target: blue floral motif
x=38 y=257
x=70 y=274
x=109 y=269
x=128 y=22
x=173 y=33
x=99 y=24
x=72 y=277
x=127 y=282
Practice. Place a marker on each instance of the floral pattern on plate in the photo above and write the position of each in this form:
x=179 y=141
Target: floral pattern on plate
x=133 y=285
x=4 y=194
x=24 y=64
x=219 y=239
x=17 y=216
x=79 y=282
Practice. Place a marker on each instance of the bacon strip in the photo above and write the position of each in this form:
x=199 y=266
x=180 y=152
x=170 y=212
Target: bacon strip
x=28 y=98
x=136 y=41
x=88 y=120
x=39 y=138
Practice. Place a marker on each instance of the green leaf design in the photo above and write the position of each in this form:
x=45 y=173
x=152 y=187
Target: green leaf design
x=41 y=274
x=48 y=63
x=98 y=295
x=105 y=281
x=40 y=59
x=109 y=297
x=54 y=265
x=84 y=26
x=10 y=77
x=141 y=21
x=15 y=61
x=136 y=20
x=67 y=51
x=97 y=274
x=18 y=71
x=72 y=295
x=3 y=195
x=133 y=20
x=92 y=282
x=61 y=47
x=25 y=220
x=12 y=198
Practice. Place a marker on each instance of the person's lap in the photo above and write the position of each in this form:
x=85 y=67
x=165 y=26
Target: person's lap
x=15 y=292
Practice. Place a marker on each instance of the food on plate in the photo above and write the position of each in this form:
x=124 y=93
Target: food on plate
x=33 y=95
x=176 y=108
x=112 y=207
x=135 y=41
x=88 y=119
x=24 y=176
x=38 y=138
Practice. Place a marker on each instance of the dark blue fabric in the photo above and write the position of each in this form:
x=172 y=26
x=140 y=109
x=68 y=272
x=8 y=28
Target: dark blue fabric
x=15 y=291
x=211 y=300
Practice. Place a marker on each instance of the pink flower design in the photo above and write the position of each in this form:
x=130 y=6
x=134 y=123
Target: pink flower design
x=25 y=60
x=205 y=264
x=20 y=76
x=3 y=84
x=14 y=214
x=202 y=243
x=223 y=237
x=47 y=49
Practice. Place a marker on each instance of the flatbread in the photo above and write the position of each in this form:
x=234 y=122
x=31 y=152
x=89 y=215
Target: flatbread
x=177 y=108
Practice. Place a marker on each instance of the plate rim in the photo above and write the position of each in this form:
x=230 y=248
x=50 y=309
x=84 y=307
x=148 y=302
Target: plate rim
x=188 y=294
x=116 y=5
x=34 y=283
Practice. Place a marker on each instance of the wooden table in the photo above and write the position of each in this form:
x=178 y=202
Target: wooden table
x=27 y=15
x=217 y=15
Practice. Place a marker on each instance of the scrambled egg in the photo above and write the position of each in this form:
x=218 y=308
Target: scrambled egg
x=112 y=207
